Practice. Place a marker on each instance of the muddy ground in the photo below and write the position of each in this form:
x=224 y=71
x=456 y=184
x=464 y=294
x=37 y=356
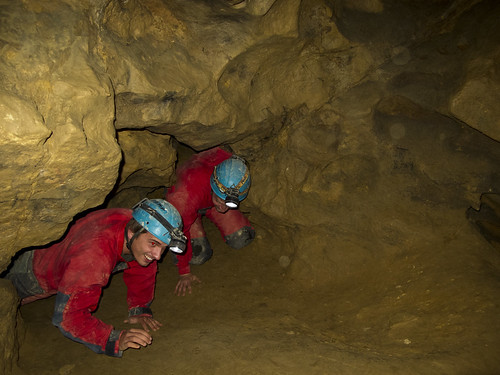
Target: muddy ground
x=249 y=317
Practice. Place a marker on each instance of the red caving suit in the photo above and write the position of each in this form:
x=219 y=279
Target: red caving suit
x=192 y=197
x=78 y=267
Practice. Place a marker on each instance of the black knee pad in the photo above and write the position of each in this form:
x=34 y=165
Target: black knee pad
x=202 y=251
x=240 y=238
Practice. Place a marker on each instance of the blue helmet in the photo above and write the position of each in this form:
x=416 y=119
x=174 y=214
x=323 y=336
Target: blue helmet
x=162 y=220
x=230 y=181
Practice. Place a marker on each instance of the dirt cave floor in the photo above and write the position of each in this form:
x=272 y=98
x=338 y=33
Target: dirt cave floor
x=247 y=318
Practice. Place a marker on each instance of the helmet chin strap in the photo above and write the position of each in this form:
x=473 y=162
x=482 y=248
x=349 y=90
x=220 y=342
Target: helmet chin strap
x=129 y=246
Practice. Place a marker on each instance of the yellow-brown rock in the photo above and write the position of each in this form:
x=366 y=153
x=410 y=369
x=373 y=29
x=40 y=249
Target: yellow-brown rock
x=371 y=128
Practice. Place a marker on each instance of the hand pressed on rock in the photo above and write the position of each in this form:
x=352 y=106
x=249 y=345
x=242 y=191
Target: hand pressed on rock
x=134 y=338
x=184 y=284
x=146 y=321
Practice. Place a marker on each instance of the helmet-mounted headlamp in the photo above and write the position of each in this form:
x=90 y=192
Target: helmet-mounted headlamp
x=233 y=193
x=232 y=198
x=177 y=238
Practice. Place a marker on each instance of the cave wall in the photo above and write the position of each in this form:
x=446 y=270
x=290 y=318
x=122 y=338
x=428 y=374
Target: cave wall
x=59 y=151
x=357 y=119
x=297 y=77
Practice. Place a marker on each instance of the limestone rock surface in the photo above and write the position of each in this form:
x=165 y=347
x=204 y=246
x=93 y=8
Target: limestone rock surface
x=370 y=128
x=59 y=152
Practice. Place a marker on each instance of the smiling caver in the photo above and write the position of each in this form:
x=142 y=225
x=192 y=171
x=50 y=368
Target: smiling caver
x=80 y=265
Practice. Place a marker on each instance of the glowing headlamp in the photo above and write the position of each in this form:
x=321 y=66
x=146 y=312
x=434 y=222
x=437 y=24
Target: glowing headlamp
x=178 y=241
x=232 y=198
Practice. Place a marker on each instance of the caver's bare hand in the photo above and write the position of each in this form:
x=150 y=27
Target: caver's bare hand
x=184 y=284
x=146 y=321
x=134 y=338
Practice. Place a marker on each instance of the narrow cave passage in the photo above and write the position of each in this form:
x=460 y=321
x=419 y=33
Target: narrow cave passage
x=243 y=318
x=371 y=129
x=248 y=316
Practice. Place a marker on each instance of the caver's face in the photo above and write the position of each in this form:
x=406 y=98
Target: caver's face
x=219 y=204
x=146 y=248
